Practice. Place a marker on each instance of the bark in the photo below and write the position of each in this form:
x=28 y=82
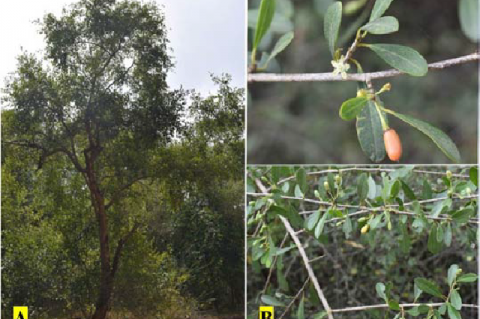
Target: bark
x=106 y=277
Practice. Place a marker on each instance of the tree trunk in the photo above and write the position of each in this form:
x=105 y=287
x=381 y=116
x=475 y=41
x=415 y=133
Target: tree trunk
x=106 y=276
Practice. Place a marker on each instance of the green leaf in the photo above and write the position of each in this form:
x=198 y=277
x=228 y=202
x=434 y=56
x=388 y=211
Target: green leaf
x=443 y=309
x=279 y=252
x=428 y=287
x=413 y=311
x=271 y=301
x=362 y=187
x=434 y=246
x=301 y=177
x=443 y=142
x=379 y=8
x=393 y=304
x=281 y=44
x=351 y=108
x=380 y=288
x=375 y=221
x=331 y=182
x=405 y=243
x=467 y=278
x=463 y=216
x=453 y=313
x=452 y=274
x=383 y=25
x=427 y=191
x=370 y=132
x=408 y=191
x=440 y=234
x=320 y=225
x=331 y=24
x=347 y=227
x=402 y=58
x=456 y=300
x=474 y=175
x=372 y=188
x=301 y=309
x=320 y=315
x=313 y=220
x=395 y=189
x=298 y=192
x=468 y=14
x=265 y=16
x=448 y=235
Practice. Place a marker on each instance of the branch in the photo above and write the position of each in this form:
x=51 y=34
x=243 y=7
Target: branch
x=361 y=77
x=118 y=251
x=295 y=298
x=405 y=305
x=311 y=274
x=364 y=209
x=368 y=169
x=116 y=196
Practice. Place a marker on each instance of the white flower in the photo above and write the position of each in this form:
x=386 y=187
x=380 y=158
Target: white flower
x=340 y=67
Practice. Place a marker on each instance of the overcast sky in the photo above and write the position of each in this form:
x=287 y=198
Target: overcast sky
x=206 y=36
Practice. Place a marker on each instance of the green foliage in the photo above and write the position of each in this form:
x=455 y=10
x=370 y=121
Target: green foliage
x=300 y=111
x=47 y=217
x=266 y=20
x=442 y=141
x=402 y=58
x=351 y=108
x=468 y=15
x=379 y=9
x=361 y=226
x=383 y=25
x=370 y=130
x=332 y=22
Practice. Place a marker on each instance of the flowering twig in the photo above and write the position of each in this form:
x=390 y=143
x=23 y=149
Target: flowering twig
x=360 y=77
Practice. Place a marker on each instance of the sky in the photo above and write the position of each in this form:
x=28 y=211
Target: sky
x=207 y=36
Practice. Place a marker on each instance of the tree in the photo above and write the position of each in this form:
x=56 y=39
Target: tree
x=99 y=98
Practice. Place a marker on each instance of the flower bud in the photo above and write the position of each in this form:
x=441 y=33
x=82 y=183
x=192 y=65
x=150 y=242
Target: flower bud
x=338 y=179
x=365 y=229
x=449 y=174
x=325 y=184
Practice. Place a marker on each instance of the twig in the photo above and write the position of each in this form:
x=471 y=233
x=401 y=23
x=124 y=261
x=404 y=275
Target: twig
x=311 y=274
x=361 y=77
x=273 y=264
x=367 y=169
x=405 y=305
x=295 y=298
x=364 y=209
x=302 y=252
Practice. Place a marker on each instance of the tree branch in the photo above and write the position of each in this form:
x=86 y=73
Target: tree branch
x=360 y=77
x=118 y=193
x=302 y=252
x=405 y=305
x=294 y=299
x=118 y=251
x=364 y=209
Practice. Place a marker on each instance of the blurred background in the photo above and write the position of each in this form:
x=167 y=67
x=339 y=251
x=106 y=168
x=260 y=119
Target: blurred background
x=294 y=123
